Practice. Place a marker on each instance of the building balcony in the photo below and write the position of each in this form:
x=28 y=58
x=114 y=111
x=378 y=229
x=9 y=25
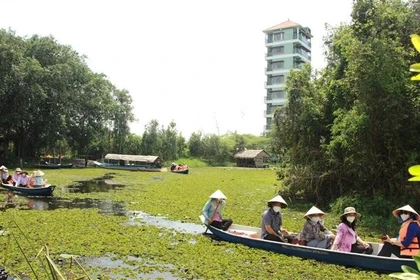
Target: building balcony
x=275 y=72
x=275 y=101
x=269 y=85
x=302 y=40
x=274 y=56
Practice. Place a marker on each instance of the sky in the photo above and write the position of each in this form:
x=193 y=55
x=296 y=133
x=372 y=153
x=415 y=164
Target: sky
x=197 y=63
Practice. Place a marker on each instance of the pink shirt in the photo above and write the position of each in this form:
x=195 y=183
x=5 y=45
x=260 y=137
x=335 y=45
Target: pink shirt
x=346 y=236
x=217 y=217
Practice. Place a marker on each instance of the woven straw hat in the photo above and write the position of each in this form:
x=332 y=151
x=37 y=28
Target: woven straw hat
x=278 y=199
x=218 y=194
x=38 y=173
x=407 y=208
x=313 y=211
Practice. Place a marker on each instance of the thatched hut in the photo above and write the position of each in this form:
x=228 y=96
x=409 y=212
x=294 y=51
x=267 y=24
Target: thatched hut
x=252 y=158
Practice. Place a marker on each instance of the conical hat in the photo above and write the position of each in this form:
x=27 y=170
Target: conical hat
x=313 y=211
x=407 y=208
x=38 y=173
x=218 y=194
x=278 y=199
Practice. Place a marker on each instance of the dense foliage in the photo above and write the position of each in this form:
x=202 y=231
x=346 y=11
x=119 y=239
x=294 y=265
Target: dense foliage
x=354 y=128
x=52 y=101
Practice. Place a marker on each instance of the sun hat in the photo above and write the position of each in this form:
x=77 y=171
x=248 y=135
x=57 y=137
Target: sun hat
x=18 y=170
x=21 y=172
x=3 y=167
x=277 y=199
x=407 y=208
x=350 y=210
x=218 y=194
x=313 y=211
x=38 y=173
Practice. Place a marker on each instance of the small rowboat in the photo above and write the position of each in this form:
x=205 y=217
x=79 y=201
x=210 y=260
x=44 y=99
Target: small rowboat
x=250 y=236
x=182 y=171
x=46 y=190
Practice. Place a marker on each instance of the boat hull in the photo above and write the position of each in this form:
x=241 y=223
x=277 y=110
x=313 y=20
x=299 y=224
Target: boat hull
x=54 y=166
x=129 y=167
x=36 y=191
x=370 y=262
x=185 y=171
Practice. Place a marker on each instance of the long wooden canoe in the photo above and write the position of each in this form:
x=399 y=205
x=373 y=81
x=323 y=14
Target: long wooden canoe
x=250 y=236
x=46 y=190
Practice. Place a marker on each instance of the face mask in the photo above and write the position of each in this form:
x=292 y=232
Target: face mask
x=315 y=219
x=350 y=219
x=404 y=217
x=276 y=208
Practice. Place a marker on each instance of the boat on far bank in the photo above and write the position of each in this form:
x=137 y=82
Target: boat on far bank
x=132 y=163
x=47 y=165
x=179 y=168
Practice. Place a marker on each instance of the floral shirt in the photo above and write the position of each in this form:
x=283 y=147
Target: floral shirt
x=312 y=231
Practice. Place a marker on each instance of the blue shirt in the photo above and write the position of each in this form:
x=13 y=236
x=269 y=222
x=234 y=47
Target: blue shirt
x=269 y=217
x=412 y=231
x=210 y=206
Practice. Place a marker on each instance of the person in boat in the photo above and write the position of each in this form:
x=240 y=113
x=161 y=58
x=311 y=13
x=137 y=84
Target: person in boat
x=212 y=211
x=37 y=179
x=4 y=174
x=23 y=180
x=347 y=239
x=173 y=166
x=16 y=175
x=407 y=243
x=314 y=232
x=272 y=221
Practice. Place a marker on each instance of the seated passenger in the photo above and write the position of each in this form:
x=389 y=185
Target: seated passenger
x=314 y=232
x=16 y=175
x=212 y=211
x=4 y=173
x=272 y=220
x=38 y=179
x=23 y=180
x=407 y=243
x=347 y=239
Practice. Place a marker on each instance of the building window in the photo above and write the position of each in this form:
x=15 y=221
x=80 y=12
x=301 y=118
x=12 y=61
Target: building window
x=278 y=65
x=278 y=36
x=278 y=95
x=278 y=50
x=277 y=80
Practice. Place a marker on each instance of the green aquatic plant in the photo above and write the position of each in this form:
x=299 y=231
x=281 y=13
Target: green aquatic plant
x=415 y=40
x=408 y=273
x=142 y=249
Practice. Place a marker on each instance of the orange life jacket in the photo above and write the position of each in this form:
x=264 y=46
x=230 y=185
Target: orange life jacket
x=413 y=248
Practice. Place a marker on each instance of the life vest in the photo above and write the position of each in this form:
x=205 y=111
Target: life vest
x=413 y=248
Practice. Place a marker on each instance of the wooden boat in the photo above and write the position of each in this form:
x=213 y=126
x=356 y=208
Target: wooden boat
x=250 y=236
x=182 y=171
x=46 y=190
x=132 y=163
x=47 y=165
x=179 y=168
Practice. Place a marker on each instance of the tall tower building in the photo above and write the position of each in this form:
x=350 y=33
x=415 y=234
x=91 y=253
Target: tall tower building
x=288 y=47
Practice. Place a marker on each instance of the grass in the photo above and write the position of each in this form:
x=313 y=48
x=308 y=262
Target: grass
x=85 y=232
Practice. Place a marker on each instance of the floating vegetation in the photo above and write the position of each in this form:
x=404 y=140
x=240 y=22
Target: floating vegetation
x=166 y=242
